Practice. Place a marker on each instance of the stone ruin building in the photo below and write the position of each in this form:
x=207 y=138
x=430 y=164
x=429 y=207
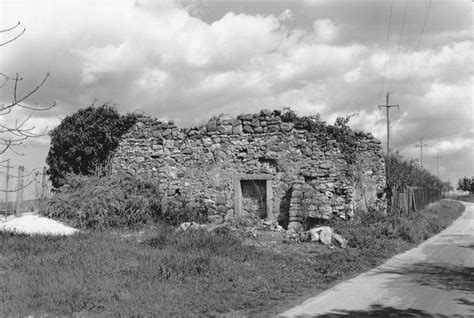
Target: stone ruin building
x=255 y=166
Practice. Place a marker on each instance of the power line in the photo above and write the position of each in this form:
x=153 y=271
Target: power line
x=421 y=145
x=417 y=47
x=386 y=47
x=399 y=44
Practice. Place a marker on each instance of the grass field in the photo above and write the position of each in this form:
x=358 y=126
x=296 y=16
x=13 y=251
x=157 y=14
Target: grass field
x=168 y=273
x=465 y=197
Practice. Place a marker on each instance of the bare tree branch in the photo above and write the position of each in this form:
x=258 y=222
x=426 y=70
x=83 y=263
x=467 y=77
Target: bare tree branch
x=14 y=38
x=12 y=135
x=12 y=28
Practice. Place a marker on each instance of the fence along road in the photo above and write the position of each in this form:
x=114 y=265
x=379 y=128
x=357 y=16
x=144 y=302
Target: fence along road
x=435 y=278
x=413 y=199
x=21 y=189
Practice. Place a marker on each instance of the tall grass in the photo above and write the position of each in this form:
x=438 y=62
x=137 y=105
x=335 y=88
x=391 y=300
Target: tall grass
x=116 y=201
x=169 y=273
x=375 y=228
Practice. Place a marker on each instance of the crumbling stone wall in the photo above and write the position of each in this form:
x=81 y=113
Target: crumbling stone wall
x=302 y=174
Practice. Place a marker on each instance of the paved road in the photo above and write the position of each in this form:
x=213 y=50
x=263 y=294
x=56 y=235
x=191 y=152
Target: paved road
x=435 y=278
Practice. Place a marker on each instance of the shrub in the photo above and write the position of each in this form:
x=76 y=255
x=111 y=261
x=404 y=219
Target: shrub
x=373 y=230
x=114 y=201
x=84 y=142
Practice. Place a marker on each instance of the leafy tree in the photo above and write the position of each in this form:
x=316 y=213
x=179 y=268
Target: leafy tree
x=447 y=187
x=83 y=142
x=402 y=172
x=466 y=184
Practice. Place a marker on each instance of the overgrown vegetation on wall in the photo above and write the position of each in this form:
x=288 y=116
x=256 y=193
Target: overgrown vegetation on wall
x=115 y=201
x=346 y=138
x=83 y=142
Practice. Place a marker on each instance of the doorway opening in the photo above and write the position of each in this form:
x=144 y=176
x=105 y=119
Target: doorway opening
x=253 y=196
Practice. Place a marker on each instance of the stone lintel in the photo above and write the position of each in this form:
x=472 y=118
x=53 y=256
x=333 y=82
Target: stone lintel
x=255 y=176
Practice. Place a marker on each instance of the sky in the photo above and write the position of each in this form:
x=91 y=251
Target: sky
x=191 y=60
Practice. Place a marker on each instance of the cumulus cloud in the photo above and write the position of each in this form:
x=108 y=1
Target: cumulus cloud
x=162 y=58
x=325 y=30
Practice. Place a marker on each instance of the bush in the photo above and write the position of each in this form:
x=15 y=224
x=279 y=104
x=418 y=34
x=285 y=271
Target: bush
x=84 y=141
x=115 y=201
x=376 y=229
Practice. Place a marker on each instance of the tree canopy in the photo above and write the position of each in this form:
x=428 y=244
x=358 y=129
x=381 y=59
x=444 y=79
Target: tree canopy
x=407 y=172
x=466 y=184
x=84 y=141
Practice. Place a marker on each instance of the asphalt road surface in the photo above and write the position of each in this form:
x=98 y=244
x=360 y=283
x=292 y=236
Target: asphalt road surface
x=433 y=279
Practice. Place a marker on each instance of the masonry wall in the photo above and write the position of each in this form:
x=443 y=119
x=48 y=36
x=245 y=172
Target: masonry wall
x=302 y=174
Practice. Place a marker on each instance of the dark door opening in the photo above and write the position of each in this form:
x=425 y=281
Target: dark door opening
x=254 y=198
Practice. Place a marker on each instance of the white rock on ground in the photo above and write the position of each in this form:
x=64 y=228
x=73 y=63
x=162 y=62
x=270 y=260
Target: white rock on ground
x=324 y=234
x=31 y=223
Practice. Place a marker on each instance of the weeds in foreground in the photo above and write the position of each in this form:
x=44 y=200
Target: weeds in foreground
x=188 y=273
x=406 y=228
x=116 y=201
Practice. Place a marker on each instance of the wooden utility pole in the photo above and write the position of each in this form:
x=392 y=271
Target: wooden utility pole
x=387 y=107
x=19 y=191
x=43 y=184
x=7 y=179
x=421 y=145
x=437 y=164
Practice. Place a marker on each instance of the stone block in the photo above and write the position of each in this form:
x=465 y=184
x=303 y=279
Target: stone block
x=273 y=128
x=247 y=129
x=225 y=129
x=271 y=155
x=255 y=122
x=295 y=227
x=325 y=210
x=325 y=165
x=237 y=130
x=220 y=200
x=211 y=126
x=286 y=127
x=339 y=240
x=321 y=187
x=325 y=234
x=314 y=235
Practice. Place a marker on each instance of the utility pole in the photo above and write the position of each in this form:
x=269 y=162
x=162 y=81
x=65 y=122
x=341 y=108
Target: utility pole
x=7 y=177
x=421 y=145
x=387 y=107
x=19 y=191
x=43 y=184
x=437 y=164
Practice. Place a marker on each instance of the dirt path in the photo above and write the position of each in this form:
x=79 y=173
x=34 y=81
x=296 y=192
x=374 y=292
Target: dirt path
x=435 y=278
